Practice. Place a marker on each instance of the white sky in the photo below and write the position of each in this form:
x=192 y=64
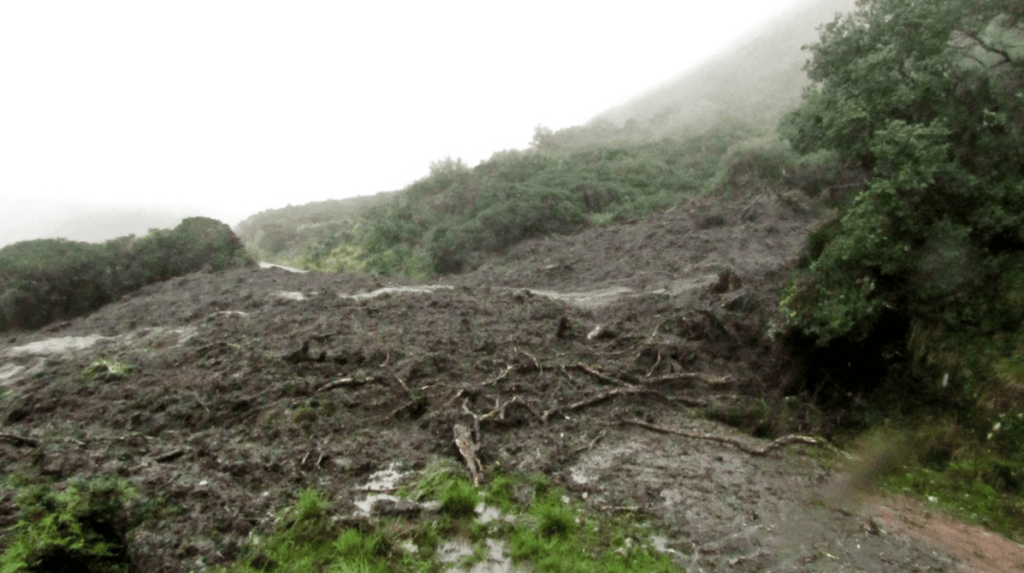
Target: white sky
x=235 y=106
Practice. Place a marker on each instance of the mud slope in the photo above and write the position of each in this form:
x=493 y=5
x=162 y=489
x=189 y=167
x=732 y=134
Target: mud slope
x=567 y=353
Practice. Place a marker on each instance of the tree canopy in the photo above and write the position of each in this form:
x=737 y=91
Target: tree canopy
x=926 y=98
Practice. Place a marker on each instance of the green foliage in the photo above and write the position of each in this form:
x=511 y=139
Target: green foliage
x=325 y=235
x=961 y=490
x=82 y=528
x=308 y=539
x=556 y=538
x=758 y=164
x=105 y=369
x=53 y=279
x=459 y=499
x=909 y=305
x=446 y=222
x=925 y=98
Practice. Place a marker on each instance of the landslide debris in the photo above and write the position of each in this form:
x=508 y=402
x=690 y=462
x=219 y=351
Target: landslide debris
x=245 y=387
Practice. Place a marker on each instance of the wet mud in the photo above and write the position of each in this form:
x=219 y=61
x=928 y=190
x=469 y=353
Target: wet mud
x=250 y=385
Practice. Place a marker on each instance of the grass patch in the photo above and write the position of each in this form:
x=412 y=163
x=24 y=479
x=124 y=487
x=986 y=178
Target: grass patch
x=547 y=534
x=309 y=539
x=961 y=490
x=459 y=499
x=82 y=528
x=557 y=537
x=104 y=369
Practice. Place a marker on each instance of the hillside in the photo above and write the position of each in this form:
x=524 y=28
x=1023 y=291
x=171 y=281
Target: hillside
x=221 y=400
x=647 y=155
x=303 y=235
x=756 y=81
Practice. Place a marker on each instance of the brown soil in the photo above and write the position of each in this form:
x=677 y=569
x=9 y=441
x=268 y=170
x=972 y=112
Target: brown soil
x=253 y=384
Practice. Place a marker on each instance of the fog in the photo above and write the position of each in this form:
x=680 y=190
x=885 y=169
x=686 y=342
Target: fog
x=117 y=117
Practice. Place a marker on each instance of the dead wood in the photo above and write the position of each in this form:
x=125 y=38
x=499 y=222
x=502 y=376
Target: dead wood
x=684 y=377
x=593 y=372
x=467 y=447
x=476 y=422
x=758 y=452
x=627 y=389
x=499 y=410
x=592 y=443
x=169 y=456
x=499 y=377
x=17 y=440
x=344 y=382
x=656 y=364
x=402 y=384
x=536 y=364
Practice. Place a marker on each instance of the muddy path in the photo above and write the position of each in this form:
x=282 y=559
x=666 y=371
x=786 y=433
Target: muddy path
x=564 y=356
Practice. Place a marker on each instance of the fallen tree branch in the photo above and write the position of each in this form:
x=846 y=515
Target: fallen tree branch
x=598 y=375
x=656 y=364
x=625 y=390
x=476 y=422
x=532 y=357
x=17 y=440
x=343 y=382
x=169 y=456
x=684 y=377
x=499 y=377
x=402 y=384
x=499 y=410
x=464 y=442
x=590 y=446
x=757 y=452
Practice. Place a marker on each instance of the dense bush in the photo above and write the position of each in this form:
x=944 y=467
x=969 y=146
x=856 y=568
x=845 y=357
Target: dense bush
x=446 y=221
x=52 y=279
x=913 y=296
x=83 y=528
x=307 y=235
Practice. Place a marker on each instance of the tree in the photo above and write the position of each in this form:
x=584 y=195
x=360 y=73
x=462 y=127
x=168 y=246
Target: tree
x=927 y=97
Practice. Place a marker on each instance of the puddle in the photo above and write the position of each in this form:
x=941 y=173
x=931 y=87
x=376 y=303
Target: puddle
x=380 y=481
x=452 y=552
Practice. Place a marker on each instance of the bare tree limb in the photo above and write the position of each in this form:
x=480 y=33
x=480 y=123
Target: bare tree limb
x=598 y=375
x=499 y=377
x=757 y=452
x=464 y=442
x=343 y=382
x=17 y=440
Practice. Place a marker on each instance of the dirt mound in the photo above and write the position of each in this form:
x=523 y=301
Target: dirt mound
x=576 y=357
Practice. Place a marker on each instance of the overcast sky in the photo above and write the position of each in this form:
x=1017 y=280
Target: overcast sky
x=238 y=106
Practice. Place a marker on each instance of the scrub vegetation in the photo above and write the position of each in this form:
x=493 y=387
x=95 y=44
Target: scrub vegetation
x=910 y=302
x=47 y=280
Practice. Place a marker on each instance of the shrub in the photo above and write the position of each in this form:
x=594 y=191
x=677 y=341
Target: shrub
x=83 y=528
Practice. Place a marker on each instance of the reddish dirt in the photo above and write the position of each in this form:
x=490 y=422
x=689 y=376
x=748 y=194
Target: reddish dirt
x=245 y=392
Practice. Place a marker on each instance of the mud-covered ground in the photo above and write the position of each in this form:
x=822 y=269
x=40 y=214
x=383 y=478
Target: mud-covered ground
x=567 y=353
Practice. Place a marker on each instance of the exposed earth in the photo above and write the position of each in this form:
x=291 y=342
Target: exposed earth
x=574 y=356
